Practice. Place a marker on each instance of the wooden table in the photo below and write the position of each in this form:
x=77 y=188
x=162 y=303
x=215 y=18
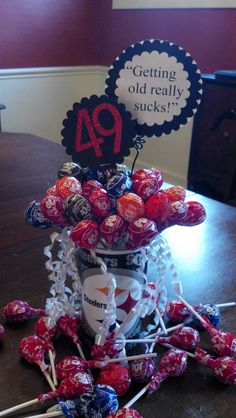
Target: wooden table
x=204 y=256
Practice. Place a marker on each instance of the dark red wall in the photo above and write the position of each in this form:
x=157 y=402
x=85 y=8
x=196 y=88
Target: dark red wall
x=41 y=33
x=85 y=32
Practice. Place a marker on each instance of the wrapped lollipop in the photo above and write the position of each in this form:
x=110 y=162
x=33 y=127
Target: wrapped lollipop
x=172 y=364
x=47 y=333
x=126 y=413
x=186 y=338
x=117 y=376
x=33 y=350
x=70 y=387
x=224 y=343
x=34 y=216
x=20 y=311
x=224 y=368
x=69 y=326
x=70 y=366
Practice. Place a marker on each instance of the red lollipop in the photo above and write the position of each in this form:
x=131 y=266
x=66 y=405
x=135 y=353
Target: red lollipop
x=86 y=234
x=20 y=311
x=45 y=332
x=224 y=343
x=70 y=326
x=126 y=413
x=146 y=186
x=2 y=331
x=195 y=214
x=113 y=230
x=69 y=366
x=100 y=203
x=141 y=174
x=176 y=312
x=173 y=364
x=141 y=232
x=101 y=352
x=157 y=208
x=142 y=370
x=224 y=368
x=33 y=349
x=186 y=338
x=130 y=207
x=68 y=186
x=70 y=387
x=175 y=193
x=116 y=376
x=53 y=209
x=90 y=186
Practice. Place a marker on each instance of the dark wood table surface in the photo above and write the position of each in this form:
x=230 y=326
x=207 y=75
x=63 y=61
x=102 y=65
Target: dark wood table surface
x=204 y=256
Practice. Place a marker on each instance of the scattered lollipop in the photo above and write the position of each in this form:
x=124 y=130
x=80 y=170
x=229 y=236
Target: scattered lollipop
x=186 y=338
x=33 y=350
x=20 y=311
x=69 y=326
x=224 y=343
x=117 y=376
x=47 y=333
x=126 y=413
x=224 y=368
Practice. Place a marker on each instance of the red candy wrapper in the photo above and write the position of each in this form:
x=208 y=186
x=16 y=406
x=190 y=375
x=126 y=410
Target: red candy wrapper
x=175 y=194
x=116 y=376
x=69 y=366
x=89 y=187
x=33 y=349
x=126 y=413
x=142 y=370
x=53 y=209
x=113 y=230
x=20 y=311
x=224 y=368
x=47 y=334
x=141 y=232
x=186 y=338
x=224 y=343
x=70 y=387
x=67 y=186
x=157 y=208
x=70 y=326
x=100 y=203
x=130 y=207
x=195 y=214
x=146 y=186
x=86 y=234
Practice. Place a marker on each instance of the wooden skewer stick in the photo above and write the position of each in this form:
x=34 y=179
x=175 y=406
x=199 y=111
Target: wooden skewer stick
x=48 y=415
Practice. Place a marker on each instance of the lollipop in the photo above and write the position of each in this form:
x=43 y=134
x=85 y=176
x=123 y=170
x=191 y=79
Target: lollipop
x=224 y=368
x=69 y=366
x=186 y=338
x=2 y=331
x=175 y=194
x=130 y=207
x=99 y=401
x=126 y=413
x=113 y=230
x=116 y=376
x=71 y=169
x=141 y=232
x=195 y=214
x=100 y=203
x=224 y=343
x=118 y=185
x=68 y=186
x=43 y=331
x=90 y=186
x=157 y=208
x=86 y=234
x=142 y=370
x=34 y=216
x=172 y=364
x=69 y=326
x=20 y=311
x=53 y=208
x=77 y=208
x=146 y=186
x=33 y=349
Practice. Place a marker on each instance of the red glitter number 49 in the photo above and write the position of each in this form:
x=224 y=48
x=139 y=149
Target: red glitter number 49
x=94 y=124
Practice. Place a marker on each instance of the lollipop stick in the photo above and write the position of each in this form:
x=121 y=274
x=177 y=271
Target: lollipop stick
x=225 y=305
x=190 y=308
x=50 y=382
x=80 y=351
x=136 y=397
x=54 y=376
x=163 y=327
x=167 y=330
x=171 y=346
x=126 y=320
x=18 y=407
x=130 y=358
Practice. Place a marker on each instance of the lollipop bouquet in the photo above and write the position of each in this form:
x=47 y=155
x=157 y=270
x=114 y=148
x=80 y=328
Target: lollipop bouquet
x=108 y=261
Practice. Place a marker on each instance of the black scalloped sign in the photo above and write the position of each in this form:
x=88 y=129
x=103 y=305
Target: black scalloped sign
x=98 y=131
x=159 y=83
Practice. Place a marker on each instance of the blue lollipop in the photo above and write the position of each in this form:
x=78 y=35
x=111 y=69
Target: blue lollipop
x=210 y=311
x=118 y=185
x=34 y=216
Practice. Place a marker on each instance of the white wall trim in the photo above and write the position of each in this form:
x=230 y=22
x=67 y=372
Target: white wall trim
x=52 y=71
x=173 y=4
